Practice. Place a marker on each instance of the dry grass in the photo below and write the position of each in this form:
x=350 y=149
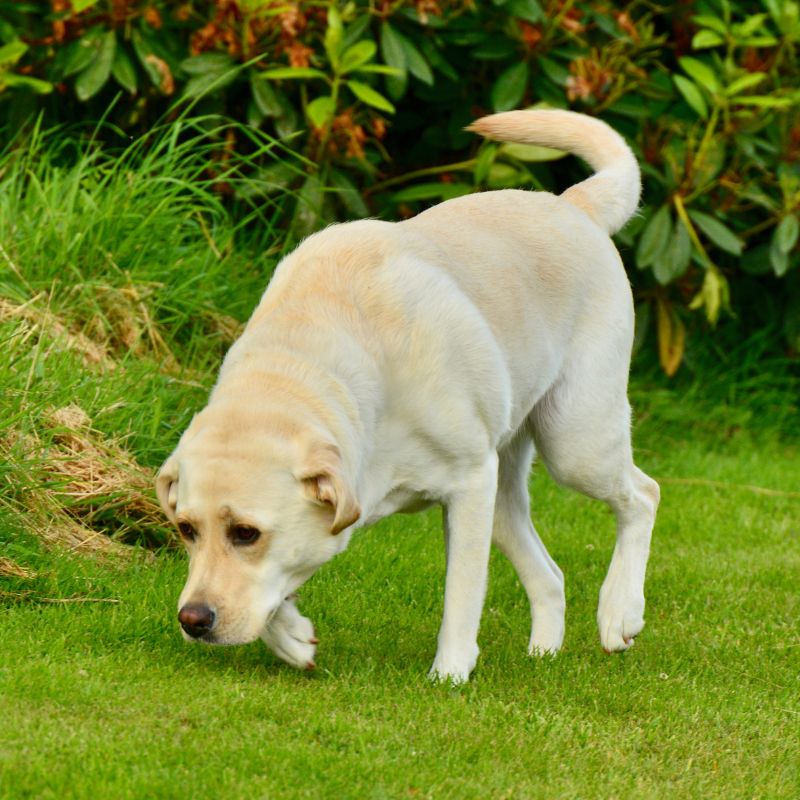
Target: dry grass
x=83 y=489
x=37 y=322
x=10 y=569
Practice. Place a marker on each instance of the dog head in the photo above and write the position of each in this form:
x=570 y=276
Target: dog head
x=259 y=511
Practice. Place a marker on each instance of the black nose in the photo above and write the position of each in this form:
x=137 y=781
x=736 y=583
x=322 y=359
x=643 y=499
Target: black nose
x=196 y=619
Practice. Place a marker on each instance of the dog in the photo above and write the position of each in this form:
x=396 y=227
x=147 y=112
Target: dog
x=392 y=366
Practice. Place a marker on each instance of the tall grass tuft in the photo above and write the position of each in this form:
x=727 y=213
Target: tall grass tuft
x=124 y=275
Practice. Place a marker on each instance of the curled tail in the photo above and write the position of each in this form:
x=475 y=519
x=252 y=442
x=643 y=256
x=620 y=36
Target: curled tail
x=611 y=195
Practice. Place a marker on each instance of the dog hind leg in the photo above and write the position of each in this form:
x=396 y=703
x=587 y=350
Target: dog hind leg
x=582 y=433
x=515 y=536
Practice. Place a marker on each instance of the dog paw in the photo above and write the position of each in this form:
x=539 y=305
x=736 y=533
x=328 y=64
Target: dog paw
x=291 y=637
x=547 y=634
x=620 y=618
x=453 y=669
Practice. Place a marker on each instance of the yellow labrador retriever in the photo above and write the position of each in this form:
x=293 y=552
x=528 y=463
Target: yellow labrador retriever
x=390 y=366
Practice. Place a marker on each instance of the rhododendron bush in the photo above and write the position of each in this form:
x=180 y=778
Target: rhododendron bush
x=374 y=96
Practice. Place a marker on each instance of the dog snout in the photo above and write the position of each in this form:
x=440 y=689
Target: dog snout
x=197 y=619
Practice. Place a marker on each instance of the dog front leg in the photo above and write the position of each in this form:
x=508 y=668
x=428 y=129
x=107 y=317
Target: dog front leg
x=470 y=511
x=290 y=636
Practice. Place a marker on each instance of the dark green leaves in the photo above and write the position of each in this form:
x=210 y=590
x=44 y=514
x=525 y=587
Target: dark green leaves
x=722 y=236
x=400 y=52
x=664 y=247
x=673 y=260
x=509 y=89
x=94 y=77
x=208 y=72
x=369 y=96
x=654 y=238
x=123 y=70
x=691 y=94
x=783 y=242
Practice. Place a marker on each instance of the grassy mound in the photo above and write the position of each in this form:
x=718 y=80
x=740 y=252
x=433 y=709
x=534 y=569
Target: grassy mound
x=123 y=280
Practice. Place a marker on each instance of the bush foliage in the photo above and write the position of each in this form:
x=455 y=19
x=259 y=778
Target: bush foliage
x=376 y=95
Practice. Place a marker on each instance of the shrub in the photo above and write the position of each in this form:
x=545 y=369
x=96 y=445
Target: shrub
x=377 y=95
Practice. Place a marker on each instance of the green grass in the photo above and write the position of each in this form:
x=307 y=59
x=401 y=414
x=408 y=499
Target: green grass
x=101 y=697
x=705 y=704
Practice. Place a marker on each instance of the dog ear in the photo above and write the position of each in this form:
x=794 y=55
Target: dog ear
x=322 y=476
x=167 y=486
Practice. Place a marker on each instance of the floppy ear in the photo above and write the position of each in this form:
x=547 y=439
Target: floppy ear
x=322 y=476
x=167 y=486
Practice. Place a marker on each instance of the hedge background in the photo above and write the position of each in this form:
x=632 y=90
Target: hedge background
x=373 y=98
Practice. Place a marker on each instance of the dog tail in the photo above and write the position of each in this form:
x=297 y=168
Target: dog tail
x=610 y=196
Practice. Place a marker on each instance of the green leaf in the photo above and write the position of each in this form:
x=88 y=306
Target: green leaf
x=702 y=73
x=431 y=191
x=208 y=64
x=529 y=10
x=81 y=5
x=745 y=82
x=123 y=71
x=392 y=47
x=506 y=176
x=691 y=94
x=379 y=69
x=422 y=191
x=95 y=76
x=556 y=72
x=764 y=101
x=654 y=238
x=208 y=83
x=334 y=34
x=80 y=54
x=11 y=53
x=750 y=25
x=437 y=61
x=759 y=41
x=786 y=233
x=24 y=82
x=707 y=21
x=369 y=96
x=704 y=39
x=756 y=260
x=357 y=55
x=264 y=96
x=321 y=111
x=721 y=235
x=484 y=161
x=509 y=89
x=355 y=31
x=210 y=72
x=348 y=194
x=395 y=56
x=674 y=259
x=147 y=57
x=293 y=73
x=531 y=152
x=417 y=65
x=778 y=259
x=310 y=208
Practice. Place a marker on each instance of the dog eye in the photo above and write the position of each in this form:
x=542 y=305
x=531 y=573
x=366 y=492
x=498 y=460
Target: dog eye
x=187 y=531
x=244 y=534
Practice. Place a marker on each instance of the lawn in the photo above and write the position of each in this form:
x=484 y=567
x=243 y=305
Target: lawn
x=101 y=697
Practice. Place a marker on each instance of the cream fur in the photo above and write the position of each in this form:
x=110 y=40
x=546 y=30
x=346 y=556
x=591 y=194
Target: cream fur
x=394 y=365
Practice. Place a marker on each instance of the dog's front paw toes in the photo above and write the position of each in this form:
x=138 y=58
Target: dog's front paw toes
x=453 y=670
x=291 y=637
x=453 y=677
x=547 y=635
x=619 y=626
